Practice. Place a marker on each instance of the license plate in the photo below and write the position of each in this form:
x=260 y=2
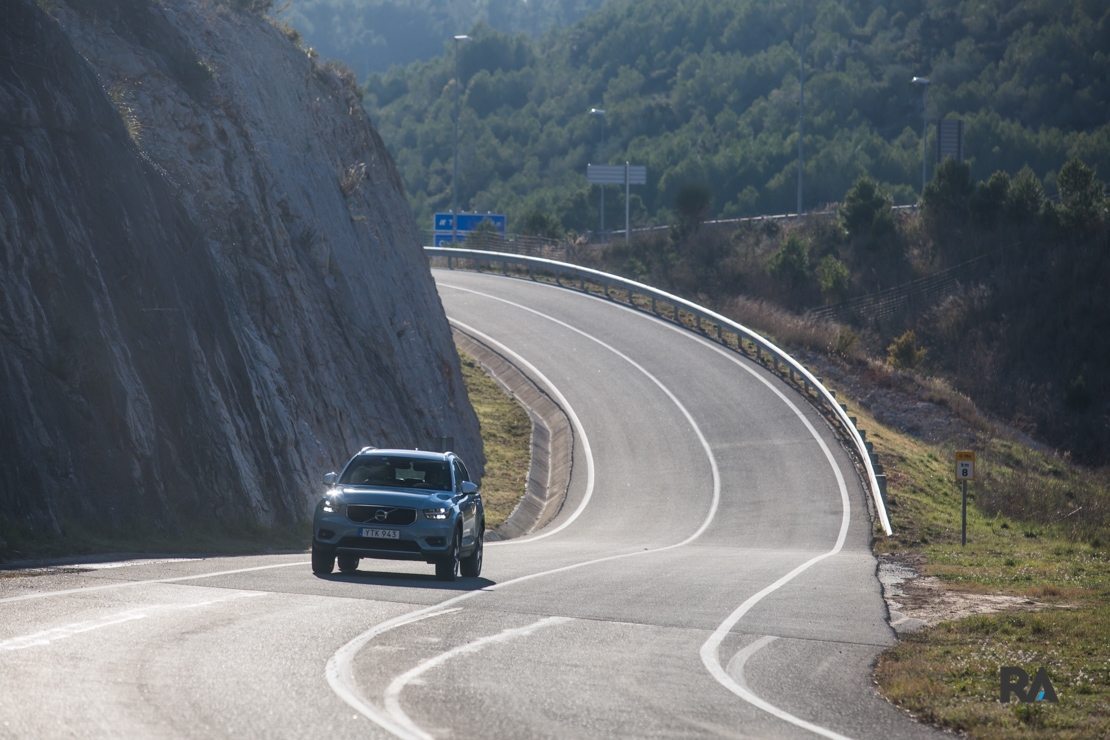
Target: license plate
x=384 y=534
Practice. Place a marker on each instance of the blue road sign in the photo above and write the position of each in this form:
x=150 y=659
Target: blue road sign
x=467 y=222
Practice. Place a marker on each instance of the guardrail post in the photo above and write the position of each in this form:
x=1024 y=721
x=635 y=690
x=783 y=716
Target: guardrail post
x=676 y=314
x=719 y=338
x=504 y=267
x=582 y=283
x=698 y=317
x=531 y=275
x=653 y=304
x=607 y=290
x=449 y=265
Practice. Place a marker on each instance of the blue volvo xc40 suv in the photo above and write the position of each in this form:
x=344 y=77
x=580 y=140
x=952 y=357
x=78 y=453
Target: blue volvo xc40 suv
x=400 y=505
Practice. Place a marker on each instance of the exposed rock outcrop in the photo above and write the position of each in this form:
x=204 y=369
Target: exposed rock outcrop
x=211 y=285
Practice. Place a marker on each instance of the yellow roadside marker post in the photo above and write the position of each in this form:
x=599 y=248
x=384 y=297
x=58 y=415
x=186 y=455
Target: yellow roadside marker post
x=965 y=471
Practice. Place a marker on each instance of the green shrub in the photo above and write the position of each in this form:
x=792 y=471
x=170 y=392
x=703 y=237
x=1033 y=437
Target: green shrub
x=538 y=223
x=833 y=278
x=1078 y=397
x=867 y=212
x=1025 y=198
x=1081 y=195
x=791 y=262
x=989 y=199
x=948 y=196
x=903 y=352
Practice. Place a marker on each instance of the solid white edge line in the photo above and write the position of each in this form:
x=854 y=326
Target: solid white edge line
x=709 y=650
x=735 y=667
x=579 y=430
x=674 y=399
x=127 y=584
x=338 y=669
x=393 y=692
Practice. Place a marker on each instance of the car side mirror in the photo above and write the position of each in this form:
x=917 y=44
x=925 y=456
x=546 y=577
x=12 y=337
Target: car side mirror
x=468 y=487
x=330 y=478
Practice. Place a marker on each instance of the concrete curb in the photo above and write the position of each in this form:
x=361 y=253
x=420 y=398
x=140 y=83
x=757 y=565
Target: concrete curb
x=552 y=442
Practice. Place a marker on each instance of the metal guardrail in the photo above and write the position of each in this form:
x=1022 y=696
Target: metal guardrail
x=700 y=313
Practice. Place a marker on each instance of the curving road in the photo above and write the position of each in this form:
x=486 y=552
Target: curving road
x=708 y=576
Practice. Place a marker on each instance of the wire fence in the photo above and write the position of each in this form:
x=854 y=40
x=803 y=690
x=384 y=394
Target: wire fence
x=911 y=297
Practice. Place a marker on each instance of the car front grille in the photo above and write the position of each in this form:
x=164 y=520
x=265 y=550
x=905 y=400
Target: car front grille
x=375 y=543
x=394 y=516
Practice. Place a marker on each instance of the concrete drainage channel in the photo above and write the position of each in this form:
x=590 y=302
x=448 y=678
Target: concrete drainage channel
x=552 y=442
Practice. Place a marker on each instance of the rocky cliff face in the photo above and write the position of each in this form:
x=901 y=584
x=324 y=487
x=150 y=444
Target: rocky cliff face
x=211 y=286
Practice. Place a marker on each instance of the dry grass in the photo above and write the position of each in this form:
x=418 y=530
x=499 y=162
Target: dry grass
x=506 y=437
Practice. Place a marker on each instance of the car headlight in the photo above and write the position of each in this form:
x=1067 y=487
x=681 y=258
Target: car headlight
x=330 y=506
x=437 y=513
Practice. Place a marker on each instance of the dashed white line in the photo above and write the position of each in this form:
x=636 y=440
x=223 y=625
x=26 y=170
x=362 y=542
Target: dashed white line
x=393 y=692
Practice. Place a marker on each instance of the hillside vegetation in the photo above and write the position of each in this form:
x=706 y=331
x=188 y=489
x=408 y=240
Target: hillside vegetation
x=373 y=35
x=706 y=91
x=1025 y=334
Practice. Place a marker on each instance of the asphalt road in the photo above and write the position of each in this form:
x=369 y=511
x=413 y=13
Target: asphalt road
x=708 y=576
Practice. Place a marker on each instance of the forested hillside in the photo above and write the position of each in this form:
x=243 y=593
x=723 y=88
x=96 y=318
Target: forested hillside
x=706 y=91
x=373 y=35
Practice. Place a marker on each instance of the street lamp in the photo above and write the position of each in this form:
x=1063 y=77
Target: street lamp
x=801 y=104
x=599 y=112
x=924 y=82
x=455 y=174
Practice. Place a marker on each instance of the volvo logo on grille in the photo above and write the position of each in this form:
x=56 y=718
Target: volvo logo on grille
x=381 y=515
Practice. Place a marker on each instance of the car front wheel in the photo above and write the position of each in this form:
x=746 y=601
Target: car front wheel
x=471 y=565
x=447 y=569
x=322 y=562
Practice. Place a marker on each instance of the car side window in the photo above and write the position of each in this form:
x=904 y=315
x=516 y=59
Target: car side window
x=460 y=474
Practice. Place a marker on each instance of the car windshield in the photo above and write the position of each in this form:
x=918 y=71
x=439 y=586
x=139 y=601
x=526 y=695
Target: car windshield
x=395 y=471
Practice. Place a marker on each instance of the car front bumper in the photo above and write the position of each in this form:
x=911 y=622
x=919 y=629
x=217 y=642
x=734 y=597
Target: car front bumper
x=426 y=540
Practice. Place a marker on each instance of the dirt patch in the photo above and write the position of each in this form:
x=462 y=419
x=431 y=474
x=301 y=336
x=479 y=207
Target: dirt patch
x=916 y=601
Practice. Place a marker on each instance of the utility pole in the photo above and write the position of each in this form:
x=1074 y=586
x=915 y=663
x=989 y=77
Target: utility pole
x=599 y=112
x=801 y=103
x=455 y=174
x=924 y=82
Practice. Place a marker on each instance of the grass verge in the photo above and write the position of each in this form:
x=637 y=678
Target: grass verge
x=506 y=437
x=1021 y=542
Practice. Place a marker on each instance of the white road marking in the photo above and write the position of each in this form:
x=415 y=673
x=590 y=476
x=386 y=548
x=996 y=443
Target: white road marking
x=709 y=650
x=674 y=399
x=45 y=637
x=338 y=670
x=393 y=693
x=565 y=405
x=128 y=584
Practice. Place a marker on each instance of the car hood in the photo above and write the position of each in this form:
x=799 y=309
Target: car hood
x=392 y=497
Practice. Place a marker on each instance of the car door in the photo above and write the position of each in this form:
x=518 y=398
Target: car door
x=468 y=505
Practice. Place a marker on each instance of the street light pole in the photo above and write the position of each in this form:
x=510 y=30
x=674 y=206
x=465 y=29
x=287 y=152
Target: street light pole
x=455 y=174
x=924 y=82
x=801 y=104
x=599 y=112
